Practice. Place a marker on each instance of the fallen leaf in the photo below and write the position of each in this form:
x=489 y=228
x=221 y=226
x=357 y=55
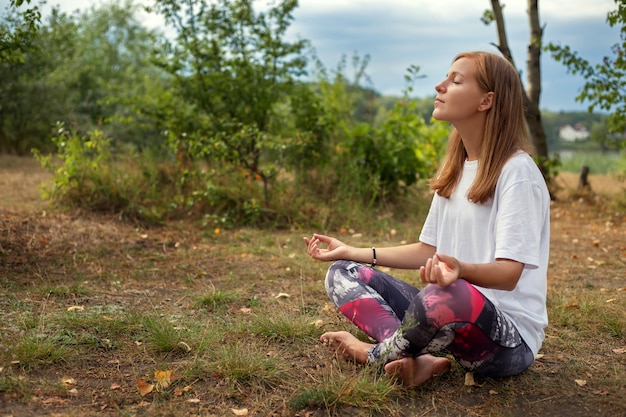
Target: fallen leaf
x=245 y=310
x=620 y=351
x=493 y=392
x=73 y=391
x=114 y=387
x=144 y=387
x=580 y=382
x=193 y=400
x=318 y=323
x=75 y=308
x=239 y=412
x=68 y=380
x=611 y=300
x=539 y=356
x=282 y=295
x=470 y=382
x=163 y=379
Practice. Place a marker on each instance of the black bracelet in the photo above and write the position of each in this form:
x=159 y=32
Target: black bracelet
x=373 y=257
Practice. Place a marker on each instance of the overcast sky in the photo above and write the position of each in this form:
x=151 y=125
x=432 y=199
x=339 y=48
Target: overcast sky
x=428 y=33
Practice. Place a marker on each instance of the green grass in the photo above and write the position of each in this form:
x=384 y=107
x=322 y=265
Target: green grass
x=597 y=161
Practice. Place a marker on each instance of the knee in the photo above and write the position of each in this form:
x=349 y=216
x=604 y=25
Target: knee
x=334 y=270
x=338 y=273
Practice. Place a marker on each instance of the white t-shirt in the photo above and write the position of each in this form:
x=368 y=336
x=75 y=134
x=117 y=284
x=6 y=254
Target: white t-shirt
x=514 y=224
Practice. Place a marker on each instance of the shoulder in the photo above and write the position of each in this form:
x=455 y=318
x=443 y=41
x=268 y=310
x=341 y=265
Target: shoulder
x=520 y=167
x=521 y=175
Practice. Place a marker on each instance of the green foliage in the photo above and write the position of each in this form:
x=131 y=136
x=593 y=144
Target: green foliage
x=602 y=88
x=88 y=176
x=82 y=169
x=374 y=163
x=232 y=66
x=79 y=70
x=222 y=128
x=18 y=31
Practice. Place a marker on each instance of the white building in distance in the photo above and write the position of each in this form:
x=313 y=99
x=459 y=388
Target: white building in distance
x=569 y=133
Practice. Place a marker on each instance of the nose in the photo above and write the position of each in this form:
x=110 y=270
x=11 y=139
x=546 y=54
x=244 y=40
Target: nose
x=439 y=87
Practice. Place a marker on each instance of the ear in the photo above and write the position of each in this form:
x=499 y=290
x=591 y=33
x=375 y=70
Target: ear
x=486 y=102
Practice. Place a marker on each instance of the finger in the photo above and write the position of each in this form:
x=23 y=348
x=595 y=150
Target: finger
x=428 y=269
x=422 y=272
x=438 y=275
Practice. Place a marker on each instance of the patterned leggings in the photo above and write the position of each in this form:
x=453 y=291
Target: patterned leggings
x=407 y=321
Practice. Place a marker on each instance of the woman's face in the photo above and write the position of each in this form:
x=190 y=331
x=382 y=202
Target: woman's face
x=458 y=96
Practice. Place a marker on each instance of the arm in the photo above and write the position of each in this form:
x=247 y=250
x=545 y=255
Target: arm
x=503 y=274
x=410 y=256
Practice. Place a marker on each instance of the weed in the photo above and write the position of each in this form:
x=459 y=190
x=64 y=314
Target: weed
x=37 y=351
x=216 y=299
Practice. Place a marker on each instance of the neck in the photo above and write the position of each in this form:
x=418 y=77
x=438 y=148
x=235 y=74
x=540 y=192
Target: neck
x=471 y=132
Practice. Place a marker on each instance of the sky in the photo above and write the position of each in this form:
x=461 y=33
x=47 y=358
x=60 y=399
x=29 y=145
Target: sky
x=429 y=33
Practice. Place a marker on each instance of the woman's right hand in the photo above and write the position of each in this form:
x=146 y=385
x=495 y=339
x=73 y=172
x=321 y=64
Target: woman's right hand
x=335 y=250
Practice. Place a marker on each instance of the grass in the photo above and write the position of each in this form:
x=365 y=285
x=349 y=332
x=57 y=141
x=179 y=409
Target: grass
x=236 y=316
x=598 y=162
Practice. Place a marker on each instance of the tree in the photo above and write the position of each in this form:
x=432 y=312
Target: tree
x=232 y=66
x=17 y=31
x=78 y=67
x=605 y=82
x=533 y=69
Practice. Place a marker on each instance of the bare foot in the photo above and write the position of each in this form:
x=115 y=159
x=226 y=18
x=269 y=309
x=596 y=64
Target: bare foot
x=415 y=371
x=346 y=345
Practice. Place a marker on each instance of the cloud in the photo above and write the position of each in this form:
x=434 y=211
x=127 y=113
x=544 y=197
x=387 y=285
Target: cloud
x=428 y=33
x=400 y=33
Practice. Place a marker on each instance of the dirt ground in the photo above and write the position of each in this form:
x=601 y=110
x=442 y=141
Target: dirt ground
x=588 y=249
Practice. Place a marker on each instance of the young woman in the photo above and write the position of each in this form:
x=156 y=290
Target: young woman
x=483 y=250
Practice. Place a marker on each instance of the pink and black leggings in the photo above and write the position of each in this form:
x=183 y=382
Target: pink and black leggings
x=408 y=321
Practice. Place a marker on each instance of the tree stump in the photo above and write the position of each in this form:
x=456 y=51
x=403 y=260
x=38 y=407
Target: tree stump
x=583 y=180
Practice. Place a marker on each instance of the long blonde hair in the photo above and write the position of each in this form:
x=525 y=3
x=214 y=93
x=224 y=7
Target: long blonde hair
x=504 y=135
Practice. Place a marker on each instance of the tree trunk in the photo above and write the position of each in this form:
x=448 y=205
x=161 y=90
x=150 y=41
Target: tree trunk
x=533 y=92
x=533 y=67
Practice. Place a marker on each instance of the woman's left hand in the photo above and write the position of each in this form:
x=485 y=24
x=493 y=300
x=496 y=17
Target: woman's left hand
x=440 y=269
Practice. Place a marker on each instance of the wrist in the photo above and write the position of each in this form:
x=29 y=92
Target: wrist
x=374 y=260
